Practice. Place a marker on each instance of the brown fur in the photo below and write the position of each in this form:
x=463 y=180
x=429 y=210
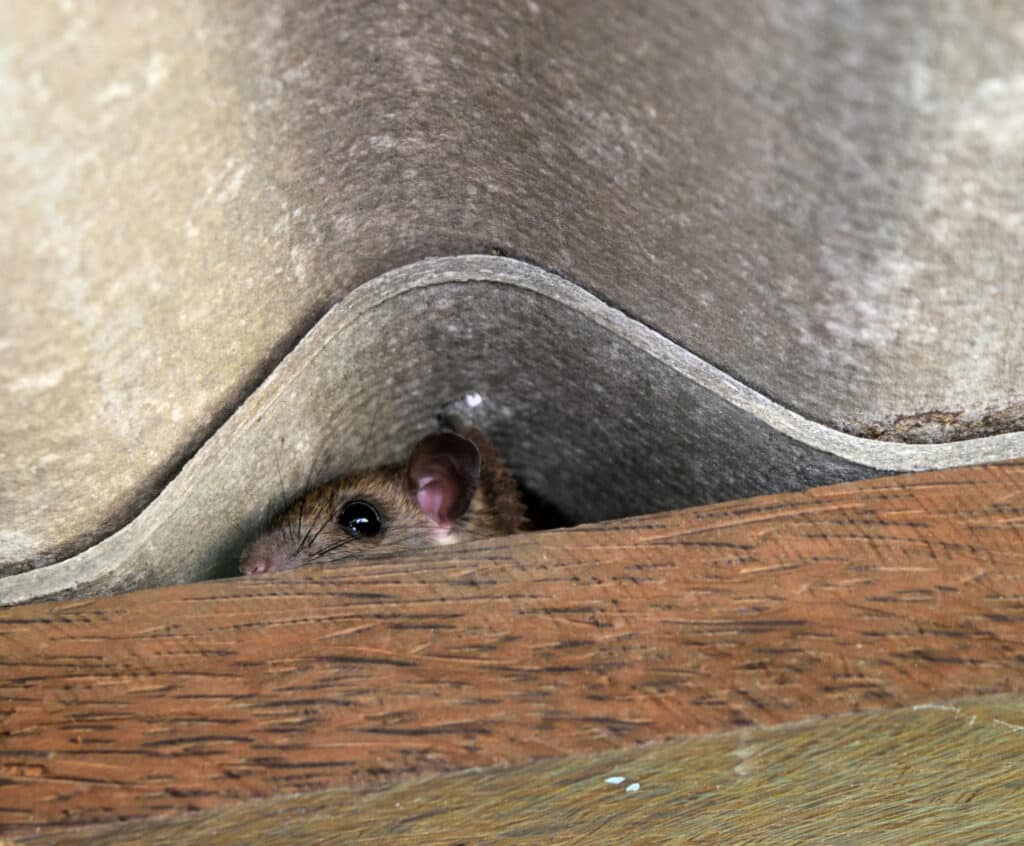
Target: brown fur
x=307 y=531
x=498 y=494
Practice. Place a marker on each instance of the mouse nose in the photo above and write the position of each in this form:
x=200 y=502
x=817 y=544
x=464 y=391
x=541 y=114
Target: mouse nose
x=252 y=565
x=255 y=560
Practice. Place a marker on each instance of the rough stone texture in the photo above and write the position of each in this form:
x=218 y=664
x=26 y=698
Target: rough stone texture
x=825 y=203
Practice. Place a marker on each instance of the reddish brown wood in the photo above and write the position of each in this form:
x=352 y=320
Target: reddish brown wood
x=873 y=594
x=937 y=774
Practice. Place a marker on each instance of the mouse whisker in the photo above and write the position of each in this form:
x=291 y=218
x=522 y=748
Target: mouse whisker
x=327 y=550
x=308 y=541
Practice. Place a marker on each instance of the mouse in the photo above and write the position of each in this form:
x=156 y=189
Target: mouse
x=453 y=487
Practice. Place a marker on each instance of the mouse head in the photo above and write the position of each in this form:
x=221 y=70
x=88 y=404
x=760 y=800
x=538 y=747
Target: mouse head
x=423 y=503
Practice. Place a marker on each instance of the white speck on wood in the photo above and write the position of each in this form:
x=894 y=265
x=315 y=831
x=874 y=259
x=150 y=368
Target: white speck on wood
x=929 y=706
x=744 y=753
x=1016 y=729
x=615 y=779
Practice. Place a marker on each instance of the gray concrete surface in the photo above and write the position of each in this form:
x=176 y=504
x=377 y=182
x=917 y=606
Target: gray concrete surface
x=819 y=206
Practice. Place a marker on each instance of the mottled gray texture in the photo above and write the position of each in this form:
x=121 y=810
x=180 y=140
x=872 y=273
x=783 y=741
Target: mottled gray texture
x=596 y=410
x=822 y=201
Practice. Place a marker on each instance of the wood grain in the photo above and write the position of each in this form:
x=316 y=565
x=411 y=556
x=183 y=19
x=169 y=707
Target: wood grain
x=946 y=774
x=875 y=594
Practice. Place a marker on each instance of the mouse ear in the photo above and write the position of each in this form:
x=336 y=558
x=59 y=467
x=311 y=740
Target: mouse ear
x=442 y=475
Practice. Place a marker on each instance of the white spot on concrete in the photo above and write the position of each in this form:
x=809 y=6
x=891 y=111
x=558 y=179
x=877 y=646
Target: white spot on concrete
x=113 y=92
x=39 y=381
x=473 y=400
x=614 y=779
x=298 y=257
x=994 y=114
x=230 y=191
x=994 y=86
x=156 y=70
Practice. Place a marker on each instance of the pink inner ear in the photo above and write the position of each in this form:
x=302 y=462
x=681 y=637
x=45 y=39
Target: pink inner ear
x=431 y=498
x=442 y=475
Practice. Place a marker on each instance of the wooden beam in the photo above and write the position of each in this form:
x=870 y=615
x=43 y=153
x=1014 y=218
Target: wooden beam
x=874 y=594
x=945 y=774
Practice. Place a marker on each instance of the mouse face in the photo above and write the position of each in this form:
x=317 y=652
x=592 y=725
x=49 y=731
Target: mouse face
x=435 y=498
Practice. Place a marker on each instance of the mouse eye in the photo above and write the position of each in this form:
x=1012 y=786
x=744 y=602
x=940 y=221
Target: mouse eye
x=360 y=519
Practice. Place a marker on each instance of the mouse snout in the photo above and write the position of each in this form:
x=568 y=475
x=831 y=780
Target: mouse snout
x=252 y=564
x=261 y=558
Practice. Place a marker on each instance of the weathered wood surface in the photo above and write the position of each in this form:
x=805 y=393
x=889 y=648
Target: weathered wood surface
x=875 y=594
x=932 y=774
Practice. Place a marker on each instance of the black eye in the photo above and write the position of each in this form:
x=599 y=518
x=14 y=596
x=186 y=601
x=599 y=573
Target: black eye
x=360 y=519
